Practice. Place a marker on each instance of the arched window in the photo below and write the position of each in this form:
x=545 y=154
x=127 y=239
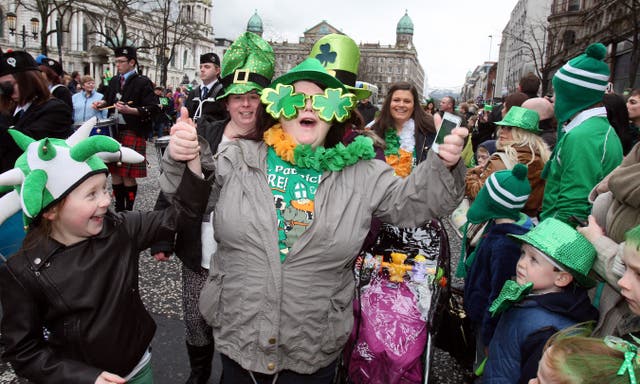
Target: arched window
x=568 y=38
x=573 y=6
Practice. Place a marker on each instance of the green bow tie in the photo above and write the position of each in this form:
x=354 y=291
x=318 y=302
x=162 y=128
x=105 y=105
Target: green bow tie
x=511 y=293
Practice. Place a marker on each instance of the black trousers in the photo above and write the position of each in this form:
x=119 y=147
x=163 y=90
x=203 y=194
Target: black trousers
x=235 y=374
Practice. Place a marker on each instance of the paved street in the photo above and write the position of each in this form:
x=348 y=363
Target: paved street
x=161 y=289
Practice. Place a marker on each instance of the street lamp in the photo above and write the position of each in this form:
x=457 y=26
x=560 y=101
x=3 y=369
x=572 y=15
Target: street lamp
x=11 y=23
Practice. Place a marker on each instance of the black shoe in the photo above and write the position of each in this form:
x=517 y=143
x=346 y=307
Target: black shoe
x=200 y=359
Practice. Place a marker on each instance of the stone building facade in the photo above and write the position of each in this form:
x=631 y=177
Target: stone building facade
x=574 y=24
x=87 y=52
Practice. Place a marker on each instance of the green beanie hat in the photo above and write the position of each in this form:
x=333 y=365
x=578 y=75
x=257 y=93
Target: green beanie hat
x=51 y=168
x=580 y=83
x=248 y=65
x=564 y=245
x=503 y=195
x=522 y=118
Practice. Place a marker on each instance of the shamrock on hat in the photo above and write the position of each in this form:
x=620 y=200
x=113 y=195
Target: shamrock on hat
x=340 y=55
x=51 y=168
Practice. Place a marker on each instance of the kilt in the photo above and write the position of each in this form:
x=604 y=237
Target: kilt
x=129 y=139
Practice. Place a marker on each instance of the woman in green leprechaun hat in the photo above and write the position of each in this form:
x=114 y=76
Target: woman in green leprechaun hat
x=291 y=213
x=247 y=67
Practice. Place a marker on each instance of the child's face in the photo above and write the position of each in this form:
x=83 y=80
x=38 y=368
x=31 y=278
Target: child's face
x=82 y=214
x=534 y=267
x=630 y=282
x=482 y=155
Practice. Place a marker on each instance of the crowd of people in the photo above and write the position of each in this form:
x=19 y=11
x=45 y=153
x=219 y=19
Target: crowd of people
x=309 y=223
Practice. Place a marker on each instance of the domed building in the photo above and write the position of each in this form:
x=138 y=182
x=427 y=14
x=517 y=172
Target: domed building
x=380 y=65
x=255 y=24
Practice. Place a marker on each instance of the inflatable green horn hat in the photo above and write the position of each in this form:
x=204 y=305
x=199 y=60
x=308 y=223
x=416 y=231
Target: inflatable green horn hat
x=51 y=168
x=340 y=55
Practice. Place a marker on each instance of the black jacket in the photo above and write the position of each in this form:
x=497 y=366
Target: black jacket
x=215 y=110
x=188 y=243
x=63 y=93
x=53 y=118
x=86 y=296
x=138 y=93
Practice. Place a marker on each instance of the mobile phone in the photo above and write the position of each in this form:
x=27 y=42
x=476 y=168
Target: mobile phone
x=449 y=122
x=578 y=221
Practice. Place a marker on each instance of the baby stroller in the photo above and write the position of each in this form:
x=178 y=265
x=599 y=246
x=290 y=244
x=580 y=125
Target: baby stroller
x=398 y=305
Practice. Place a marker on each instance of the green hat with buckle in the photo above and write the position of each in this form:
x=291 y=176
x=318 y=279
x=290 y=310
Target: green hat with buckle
x=340 y=55
x=565 y=246
x=248 y=65
x=522 y=118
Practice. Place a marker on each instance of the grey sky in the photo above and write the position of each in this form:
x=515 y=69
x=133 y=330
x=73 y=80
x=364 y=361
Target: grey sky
x=451 y=37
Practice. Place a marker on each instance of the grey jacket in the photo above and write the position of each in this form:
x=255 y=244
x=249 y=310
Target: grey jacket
x=270 y=316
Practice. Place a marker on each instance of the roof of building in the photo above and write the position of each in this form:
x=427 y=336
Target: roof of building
x=405 y=25
x=255 y=23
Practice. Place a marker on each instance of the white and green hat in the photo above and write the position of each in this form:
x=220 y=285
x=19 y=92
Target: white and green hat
x=51 y=168
x=581 y=82
x=503 y=195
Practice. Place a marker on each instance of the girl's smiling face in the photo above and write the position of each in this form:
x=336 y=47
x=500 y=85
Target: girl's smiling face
x=81 y=214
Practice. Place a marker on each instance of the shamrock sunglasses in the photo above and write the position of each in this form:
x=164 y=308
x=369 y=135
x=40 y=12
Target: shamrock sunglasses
x=333 y=104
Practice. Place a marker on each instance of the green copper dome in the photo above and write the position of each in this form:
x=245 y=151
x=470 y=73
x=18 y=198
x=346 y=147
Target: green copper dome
x=405 y=25
x=255 y=24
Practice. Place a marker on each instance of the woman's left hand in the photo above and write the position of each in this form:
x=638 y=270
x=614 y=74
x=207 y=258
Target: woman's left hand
x=451 y=150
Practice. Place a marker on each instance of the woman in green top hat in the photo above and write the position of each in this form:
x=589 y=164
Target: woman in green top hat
x=291 y=213
x=247 y=67
x=518 y=142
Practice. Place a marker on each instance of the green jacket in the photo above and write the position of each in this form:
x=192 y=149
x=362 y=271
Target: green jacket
x=297 y=315
x=588 y=151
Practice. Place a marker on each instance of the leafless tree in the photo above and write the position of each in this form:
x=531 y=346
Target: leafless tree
x=530 y=43
x=46 y=9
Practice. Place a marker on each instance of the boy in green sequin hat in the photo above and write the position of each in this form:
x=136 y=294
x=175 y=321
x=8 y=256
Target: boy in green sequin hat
x=548 y=295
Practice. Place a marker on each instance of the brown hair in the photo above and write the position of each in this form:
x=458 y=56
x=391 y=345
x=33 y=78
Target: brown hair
x=422 y=121
x=86 y=79
x=33 y=88
x=51 y=75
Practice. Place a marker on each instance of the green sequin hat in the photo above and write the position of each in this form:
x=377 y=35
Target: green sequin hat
x=248 y=65
x=522 y=118
x=340 y=55
x=51 y=168
x=565 y=246
x=309 y=69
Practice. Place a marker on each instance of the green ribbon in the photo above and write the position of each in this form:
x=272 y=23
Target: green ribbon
x=511 y=293
x=630 y=356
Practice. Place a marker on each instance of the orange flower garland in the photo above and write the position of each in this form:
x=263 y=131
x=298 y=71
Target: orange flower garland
x=281 y=142
x=401 y=164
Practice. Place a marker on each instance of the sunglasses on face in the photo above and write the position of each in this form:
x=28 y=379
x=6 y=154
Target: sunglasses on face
x=283 y=101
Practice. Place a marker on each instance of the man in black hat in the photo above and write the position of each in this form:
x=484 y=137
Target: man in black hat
x=133 y=103
x=210 y=88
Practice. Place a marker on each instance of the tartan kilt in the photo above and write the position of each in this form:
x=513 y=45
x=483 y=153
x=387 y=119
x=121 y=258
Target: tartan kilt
x=129 y=139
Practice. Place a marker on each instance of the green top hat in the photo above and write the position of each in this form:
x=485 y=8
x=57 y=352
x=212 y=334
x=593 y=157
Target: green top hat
x=247 y=65
x=311 y=70
x=522 y=118
x=340 y=55
x=564 y=245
